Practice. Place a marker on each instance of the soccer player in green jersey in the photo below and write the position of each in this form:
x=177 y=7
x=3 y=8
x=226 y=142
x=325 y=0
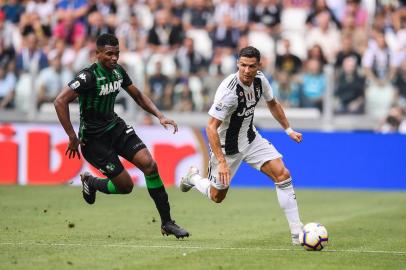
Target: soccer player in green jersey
x=103 y=136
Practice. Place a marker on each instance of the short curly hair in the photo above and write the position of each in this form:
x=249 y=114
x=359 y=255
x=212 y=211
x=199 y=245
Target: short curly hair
x=106 y=40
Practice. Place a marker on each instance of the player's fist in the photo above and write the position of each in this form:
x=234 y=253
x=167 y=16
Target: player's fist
x=296 y=136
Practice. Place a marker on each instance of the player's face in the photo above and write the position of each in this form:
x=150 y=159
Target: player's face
x=247 y=69
x=108 y=56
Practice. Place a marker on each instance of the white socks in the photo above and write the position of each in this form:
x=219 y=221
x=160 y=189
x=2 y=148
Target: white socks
x=287 y=201
x=201 y=184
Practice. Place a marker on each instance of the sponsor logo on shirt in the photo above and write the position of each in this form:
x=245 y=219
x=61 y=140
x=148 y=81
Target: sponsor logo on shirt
x=110 y=87
x=246 y=112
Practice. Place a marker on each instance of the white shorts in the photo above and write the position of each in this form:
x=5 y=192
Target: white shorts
x=255 y=154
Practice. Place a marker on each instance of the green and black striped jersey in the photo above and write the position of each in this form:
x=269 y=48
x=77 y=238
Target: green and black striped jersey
x=97 y=88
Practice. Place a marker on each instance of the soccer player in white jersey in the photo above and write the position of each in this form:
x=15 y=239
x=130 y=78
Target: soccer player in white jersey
x=233 y=139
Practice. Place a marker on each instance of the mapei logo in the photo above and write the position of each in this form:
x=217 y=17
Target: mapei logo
x=110 y=87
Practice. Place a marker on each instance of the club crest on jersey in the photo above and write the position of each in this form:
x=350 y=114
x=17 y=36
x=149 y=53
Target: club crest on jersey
x=82 y=76
x=117 y=74
x=110 y=87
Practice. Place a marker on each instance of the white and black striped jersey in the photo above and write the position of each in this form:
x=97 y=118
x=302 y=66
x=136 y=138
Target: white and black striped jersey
x=234 y=104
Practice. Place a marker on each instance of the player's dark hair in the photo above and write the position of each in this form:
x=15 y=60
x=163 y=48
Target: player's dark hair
x=250 y=52
x=106 y=40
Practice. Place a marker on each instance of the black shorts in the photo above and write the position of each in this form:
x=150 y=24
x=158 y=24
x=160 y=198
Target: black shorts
x=103 y=151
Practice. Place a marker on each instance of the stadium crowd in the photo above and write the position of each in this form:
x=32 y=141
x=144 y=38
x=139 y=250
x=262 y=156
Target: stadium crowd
x=179 y=51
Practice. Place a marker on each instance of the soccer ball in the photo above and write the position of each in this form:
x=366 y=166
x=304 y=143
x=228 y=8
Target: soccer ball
x=314 y=236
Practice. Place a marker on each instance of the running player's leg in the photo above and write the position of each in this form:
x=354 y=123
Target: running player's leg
x=131 y=147
x=102 y=156
x=210 y=186
x=156 y=189
x=263 y=156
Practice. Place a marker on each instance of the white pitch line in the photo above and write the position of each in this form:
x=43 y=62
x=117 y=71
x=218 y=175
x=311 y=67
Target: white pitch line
x=196 y=247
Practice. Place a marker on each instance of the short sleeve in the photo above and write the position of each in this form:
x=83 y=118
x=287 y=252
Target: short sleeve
x=225 y=102
x=126 y=79
x=267 y=89
x=82 y=82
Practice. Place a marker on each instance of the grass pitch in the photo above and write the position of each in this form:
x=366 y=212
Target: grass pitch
x=53 y=228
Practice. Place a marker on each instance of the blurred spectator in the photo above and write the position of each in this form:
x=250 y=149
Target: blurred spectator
x=85 y=56
x=392 y=121
x=355 y=9
x=379 y=62
x=350 y=88
x=7 y=33
x=266 y=15
x=7 y=87
x=317 y=7
x=400 y=83
x=99 y=24
x=286 y=61
x=71 y=31
x=6 y=54
x=31 y=23
x=164 y=36
x=77 y=9
x=380 y=65
x=236 y=11
x=325 y=35
x=359 y=35
x=183 y=99
x=13 y=10
x=314 y=85
x=157 y=88
x=316 y=52
x=67 y=53
x=226 y=34
x=130 y=35
x=44 y=8
x=287 y=91
x=104 y=7
x=198 y=16
x=52 y=79
x=188 y=60
x=31 y=59
x=347 y=50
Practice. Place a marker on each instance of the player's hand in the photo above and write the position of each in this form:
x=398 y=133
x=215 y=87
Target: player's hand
x=73 y=147
x=296 y=136
x=165 y=122
x=224 y=174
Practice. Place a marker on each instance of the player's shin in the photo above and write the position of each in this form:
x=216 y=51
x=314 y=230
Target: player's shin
x=287 y=201
x=201 y=184
x=158 y=193
x=105 y=185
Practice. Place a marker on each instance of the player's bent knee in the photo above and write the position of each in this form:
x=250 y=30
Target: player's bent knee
x=218 y=199
x=151 y=168
x=218 y=196
x=282 y=176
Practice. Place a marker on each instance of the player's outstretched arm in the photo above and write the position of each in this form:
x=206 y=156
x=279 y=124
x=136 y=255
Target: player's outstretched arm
x=61 y=104
x=146 y=103
x=277 y=111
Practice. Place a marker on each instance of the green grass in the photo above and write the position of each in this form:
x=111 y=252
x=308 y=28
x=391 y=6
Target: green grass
x=52 y=228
